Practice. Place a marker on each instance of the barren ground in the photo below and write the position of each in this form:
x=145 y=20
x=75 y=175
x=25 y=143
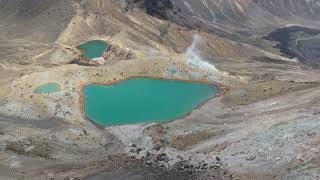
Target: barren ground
x=265 y=124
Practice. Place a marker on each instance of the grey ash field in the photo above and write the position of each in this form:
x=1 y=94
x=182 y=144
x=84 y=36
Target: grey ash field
x=265 y=125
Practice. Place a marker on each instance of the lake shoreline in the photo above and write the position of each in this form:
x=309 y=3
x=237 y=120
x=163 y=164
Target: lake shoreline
x=218 y=87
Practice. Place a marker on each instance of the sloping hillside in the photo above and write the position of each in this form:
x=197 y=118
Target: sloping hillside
x=235 y=14
x=263 y=125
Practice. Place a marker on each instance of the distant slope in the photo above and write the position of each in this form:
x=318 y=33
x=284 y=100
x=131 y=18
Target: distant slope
x=238 y=14
x=35 y=20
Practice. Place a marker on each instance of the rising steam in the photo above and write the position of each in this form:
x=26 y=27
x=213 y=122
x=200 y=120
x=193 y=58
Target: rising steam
x=194 y=58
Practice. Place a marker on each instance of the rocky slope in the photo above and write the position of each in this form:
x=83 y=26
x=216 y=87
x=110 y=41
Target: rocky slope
x=240 y=20
x=234 y=15
x=264 y=125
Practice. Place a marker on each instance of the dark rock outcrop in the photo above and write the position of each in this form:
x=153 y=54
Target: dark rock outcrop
x=159 y=8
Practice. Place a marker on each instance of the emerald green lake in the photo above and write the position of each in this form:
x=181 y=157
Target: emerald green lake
x=142 y=100
x=93 y=49
x=48 y=88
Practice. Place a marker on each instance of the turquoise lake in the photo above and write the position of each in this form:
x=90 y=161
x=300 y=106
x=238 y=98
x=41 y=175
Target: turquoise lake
x=143 y=100
x=93 y=49
x=48 y=88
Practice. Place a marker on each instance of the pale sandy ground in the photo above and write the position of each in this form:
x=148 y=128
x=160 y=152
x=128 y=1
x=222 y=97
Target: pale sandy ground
x=265 y=125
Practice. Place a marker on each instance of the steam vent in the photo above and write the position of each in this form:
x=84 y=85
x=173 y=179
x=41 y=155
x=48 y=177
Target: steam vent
x=159 y=89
